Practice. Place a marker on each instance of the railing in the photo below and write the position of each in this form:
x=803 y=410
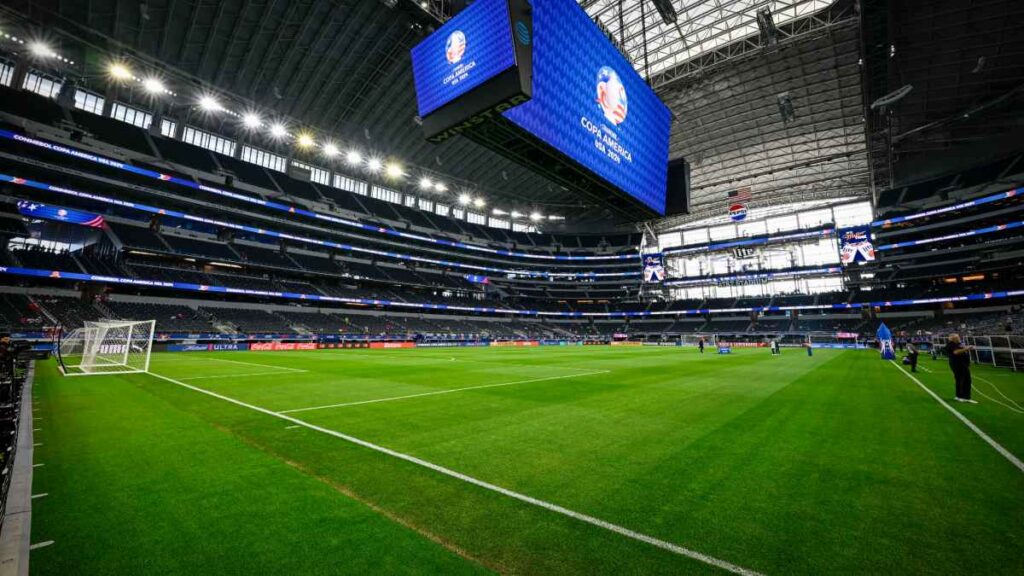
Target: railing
x=999 y=350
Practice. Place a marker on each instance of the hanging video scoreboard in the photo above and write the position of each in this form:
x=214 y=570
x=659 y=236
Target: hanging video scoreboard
x=578 y=102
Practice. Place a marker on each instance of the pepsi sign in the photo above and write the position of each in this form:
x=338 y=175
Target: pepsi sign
x=737 y=212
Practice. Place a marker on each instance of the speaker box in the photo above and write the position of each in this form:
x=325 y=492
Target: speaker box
x=677 y=190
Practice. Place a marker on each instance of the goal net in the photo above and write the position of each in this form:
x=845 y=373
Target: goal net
x=107 y=347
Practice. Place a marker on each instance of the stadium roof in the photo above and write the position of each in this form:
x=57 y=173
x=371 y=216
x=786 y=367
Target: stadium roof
x=342 y=69
x=656 y=46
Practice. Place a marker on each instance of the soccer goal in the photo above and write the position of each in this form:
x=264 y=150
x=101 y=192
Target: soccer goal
x=106 y=347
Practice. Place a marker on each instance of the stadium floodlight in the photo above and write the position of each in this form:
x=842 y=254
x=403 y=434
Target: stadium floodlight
x=153 y=85
x=465 y=198
x=305 y=140
x=394 y=171
x=277 y=130
x=425 y=183
x=106 y=347
x=331 y=150
x=251 y=120
x=373 y=164
x=119 y=71
x=536 y=216
x=479 y=202
x=440 y=187
x=498 y=212
x=209 y=103
x=41 y=49
x=353 y=157
x=516 y=214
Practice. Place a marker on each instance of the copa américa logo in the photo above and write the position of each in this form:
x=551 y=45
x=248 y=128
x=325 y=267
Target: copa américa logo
x=611 y=95
x=455 y=47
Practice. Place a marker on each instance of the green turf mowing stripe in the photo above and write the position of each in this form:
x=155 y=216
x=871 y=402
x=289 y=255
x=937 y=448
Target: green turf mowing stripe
x=668 y=546
x=138 y=486
x=435 y=393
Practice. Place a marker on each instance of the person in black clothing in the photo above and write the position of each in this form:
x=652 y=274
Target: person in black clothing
x=700 y=344
x=912 y=356
x=960 y=364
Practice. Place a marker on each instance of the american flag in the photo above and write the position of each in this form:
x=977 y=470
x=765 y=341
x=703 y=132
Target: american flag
x=742 y=194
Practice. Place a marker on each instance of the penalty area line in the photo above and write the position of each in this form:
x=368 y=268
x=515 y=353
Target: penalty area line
x=622 y=531
x=274 y=373
x=974 y=427
x=436 y=392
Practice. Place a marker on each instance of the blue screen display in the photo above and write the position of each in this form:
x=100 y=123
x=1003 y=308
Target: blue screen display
x=591 y=105
x=467 y=51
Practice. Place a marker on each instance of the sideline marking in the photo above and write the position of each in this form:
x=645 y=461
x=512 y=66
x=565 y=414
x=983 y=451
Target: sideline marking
x=38 y=465
x=39 y=545
x=974 y=428
x=40 y=495
x=275 y=373
x=667 y=546
x=436 y=392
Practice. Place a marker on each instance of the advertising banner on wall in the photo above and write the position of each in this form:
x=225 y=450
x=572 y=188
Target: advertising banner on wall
x=281 y=346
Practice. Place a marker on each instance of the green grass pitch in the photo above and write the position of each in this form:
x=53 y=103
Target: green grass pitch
x=838 y=463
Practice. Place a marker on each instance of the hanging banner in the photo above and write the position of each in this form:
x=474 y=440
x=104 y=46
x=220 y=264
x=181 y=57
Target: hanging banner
x=59 y=214
x=654 y=267
x=855 y=245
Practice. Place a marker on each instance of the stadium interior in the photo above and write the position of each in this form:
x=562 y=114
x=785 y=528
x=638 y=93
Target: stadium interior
x=253 y=176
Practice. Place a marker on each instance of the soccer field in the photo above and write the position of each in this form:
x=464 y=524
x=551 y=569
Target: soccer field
x=575 y=460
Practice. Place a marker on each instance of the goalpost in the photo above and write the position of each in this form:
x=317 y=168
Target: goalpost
x=106 y=347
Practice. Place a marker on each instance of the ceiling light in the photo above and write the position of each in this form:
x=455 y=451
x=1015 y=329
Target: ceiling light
x=426 y=184
x=209 y=103
x=305 y=140
x=41 y=49
x=278 y=130
x=465 y=199
x=515 y=214
x=331 y=150
x=394 y=171
x=440 y=187
x=535 y=216
x=153 y=86
x=373 y=164
x=251 y=121
x=498 y=212
x=479 y=202
x=353 y=157
x=119 y=71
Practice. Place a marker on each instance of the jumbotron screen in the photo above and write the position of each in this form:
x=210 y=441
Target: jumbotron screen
x=468 y=50
x=589 y=104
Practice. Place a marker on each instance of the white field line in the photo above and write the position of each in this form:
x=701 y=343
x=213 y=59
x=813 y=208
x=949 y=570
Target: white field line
x=1000 y=392
x=974 y=428
x=284 y=368
x=39 y=545
x=274 y=373
x=924 y=368
x=446 y=391
x=667 y=546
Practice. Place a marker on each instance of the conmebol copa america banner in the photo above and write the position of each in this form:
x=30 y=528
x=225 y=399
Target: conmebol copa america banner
x=591 y=105
x=468 y=50
x=59 y=214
